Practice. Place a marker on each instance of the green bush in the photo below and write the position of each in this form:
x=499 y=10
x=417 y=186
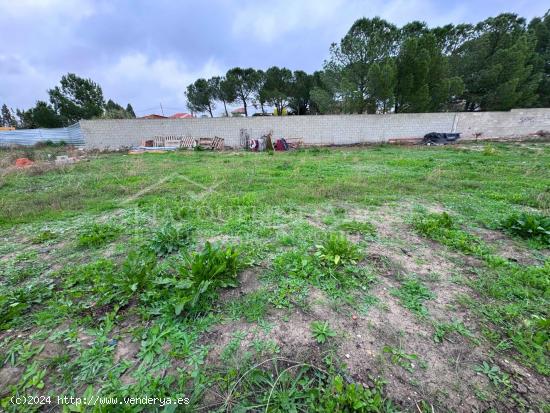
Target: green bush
x=528 y=226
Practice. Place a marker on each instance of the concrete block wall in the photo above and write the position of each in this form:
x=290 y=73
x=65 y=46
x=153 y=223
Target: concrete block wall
x=517 y=122
x=317 y=130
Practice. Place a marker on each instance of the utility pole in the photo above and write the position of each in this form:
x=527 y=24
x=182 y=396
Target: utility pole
x=161 y=110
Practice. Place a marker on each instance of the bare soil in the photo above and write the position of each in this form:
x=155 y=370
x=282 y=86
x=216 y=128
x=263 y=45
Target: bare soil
x=444 y=374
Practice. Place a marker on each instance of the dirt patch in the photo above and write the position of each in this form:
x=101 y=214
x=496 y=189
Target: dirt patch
x=315 y=220
x=222 y=239
x=219 y=336
x=293 y=336
x=509 y=248
x=434 y=376
x=8 y=377
x=85 y=339
x=248 y=282
x=443 y=375
x=447 y=378
x=126 y=349
x=52 y=350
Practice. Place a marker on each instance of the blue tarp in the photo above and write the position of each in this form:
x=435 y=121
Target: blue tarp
x=71 y=135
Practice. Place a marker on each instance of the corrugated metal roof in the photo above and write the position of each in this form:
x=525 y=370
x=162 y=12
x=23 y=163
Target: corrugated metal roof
x=71 y=135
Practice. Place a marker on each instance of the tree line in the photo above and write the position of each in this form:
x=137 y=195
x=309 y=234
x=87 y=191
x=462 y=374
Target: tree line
x=497 y=64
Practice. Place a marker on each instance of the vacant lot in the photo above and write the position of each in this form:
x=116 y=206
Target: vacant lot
x=373 y=279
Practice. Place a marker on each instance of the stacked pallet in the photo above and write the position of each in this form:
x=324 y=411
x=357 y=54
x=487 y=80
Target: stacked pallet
x=188 y=142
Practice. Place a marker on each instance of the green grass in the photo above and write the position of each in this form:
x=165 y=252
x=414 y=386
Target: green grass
x=443 y=228
x=357 y=227
x=91 y=268
x=482 y=189
x=252 y=307
x=519 y=306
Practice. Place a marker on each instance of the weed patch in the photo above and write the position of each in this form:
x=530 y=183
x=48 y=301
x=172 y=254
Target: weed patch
x=517 y=295
x=321 y=331
x=357 y=227
x=412 y=295
x=204 y=272
x=287 y=386
x=400 y=358
x=294 y=271
x=170 y=238
x=336 y=249
x=96 y=235
x=529 y=226
x=149 y=320
x=442 y=331
x=519 y=307
x=44 y=236
x=443 y=228
x=494 y=374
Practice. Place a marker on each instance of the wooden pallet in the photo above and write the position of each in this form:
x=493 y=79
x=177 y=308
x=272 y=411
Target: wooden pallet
x=214 y=144
x=188 y=142
x=295 y=143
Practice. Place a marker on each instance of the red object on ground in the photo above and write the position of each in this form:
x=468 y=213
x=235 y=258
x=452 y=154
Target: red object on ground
x=281 y=145
x=23 y=162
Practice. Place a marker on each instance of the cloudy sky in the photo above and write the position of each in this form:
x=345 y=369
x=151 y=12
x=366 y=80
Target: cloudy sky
x=147 y=52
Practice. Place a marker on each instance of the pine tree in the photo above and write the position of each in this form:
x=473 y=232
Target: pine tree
x=367 y=42
x=130 y=111
x=245 y=84
x=497 y=66
x=7 y=117
x=424 y=82
x=200 y=96
x=382 y=81
x=540 y=28
x=77 y=98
